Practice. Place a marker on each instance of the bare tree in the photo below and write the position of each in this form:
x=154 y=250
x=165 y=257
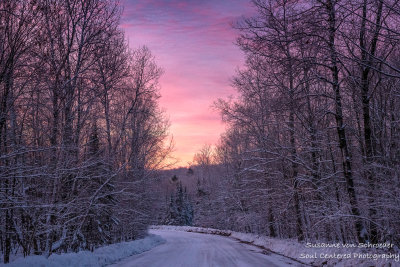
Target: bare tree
x=80 y=128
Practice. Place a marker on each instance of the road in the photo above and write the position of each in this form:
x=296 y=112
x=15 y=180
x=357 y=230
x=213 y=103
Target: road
x=184 y=249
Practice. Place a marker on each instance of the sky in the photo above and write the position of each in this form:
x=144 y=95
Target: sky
x=193 y=41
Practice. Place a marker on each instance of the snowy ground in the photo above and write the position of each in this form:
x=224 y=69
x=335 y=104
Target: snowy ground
x=100 y=257
x=184 y=249
x=174 y=246
x=301 y=252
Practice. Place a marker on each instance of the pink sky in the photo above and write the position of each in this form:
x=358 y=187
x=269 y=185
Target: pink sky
x=193 y=42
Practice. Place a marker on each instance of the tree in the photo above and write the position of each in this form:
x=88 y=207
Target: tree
x=180 y=209
x=298 y=129
x=80 y=127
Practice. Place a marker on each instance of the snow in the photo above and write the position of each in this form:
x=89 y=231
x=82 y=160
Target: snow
x=293 y=249
x=203 y=250
x=99 y=257
x=196 y=246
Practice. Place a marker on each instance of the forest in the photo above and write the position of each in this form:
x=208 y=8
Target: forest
x=311 y=151
x=80 y=127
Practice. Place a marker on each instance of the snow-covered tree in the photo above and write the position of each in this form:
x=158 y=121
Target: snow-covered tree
x=180 y=208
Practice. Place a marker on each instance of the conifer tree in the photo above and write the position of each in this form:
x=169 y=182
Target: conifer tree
x=180 y=208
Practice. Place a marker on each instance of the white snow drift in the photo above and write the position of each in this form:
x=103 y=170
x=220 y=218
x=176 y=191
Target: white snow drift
x=100 y=257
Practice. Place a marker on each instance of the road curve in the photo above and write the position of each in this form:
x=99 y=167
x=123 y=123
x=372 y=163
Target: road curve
x=184 y=249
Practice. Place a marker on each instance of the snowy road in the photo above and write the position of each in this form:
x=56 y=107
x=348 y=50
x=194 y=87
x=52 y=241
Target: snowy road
x=202 y=250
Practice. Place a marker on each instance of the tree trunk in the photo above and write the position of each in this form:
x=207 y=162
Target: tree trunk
x=341 y=130
x=367 y=61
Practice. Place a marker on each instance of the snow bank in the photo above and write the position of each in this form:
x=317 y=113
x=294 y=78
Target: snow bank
x=192 y=229
x=99 y=257
x=337 y=255
x=304 y=252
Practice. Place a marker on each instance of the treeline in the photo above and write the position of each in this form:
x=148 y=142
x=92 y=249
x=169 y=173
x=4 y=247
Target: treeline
x=313 y=146
x=80 y=127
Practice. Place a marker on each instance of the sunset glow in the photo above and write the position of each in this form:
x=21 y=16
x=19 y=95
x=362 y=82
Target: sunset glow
x=193 y=41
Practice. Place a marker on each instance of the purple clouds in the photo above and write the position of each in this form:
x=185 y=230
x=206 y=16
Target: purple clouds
x=193 y=42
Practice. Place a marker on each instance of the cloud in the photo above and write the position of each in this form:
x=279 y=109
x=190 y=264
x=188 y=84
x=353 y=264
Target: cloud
x=193 y=41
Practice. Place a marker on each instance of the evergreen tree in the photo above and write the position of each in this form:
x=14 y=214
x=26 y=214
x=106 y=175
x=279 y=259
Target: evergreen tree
x=180 y=208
